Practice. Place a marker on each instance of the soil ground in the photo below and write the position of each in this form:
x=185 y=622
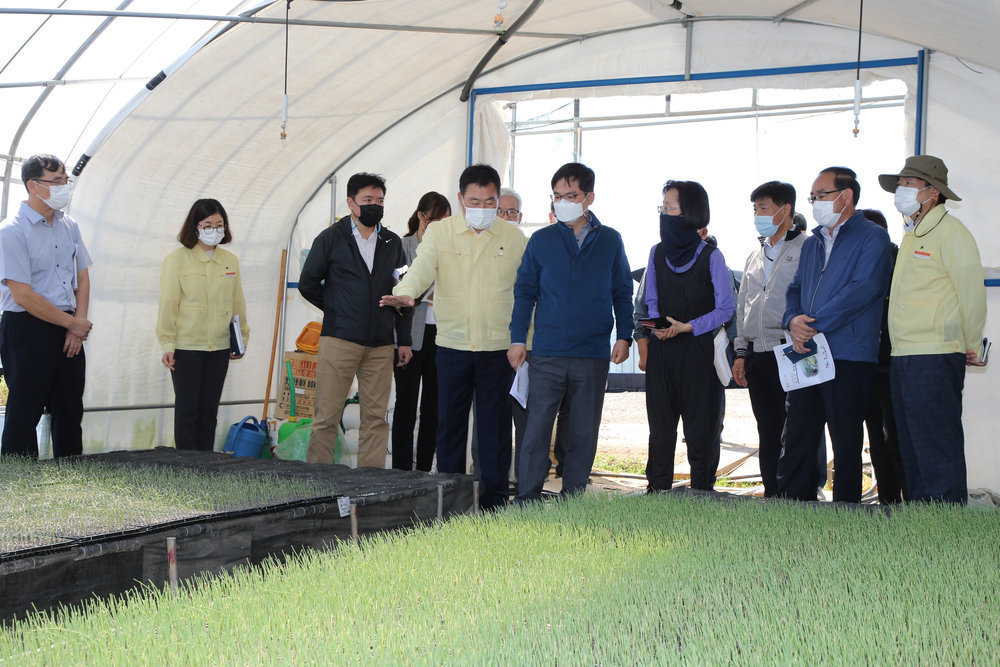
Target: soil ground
x=625 y=433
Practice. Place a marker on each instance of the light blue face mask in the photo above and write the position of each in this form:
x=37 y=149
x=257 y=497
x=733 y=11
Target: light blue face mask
x=765 y=225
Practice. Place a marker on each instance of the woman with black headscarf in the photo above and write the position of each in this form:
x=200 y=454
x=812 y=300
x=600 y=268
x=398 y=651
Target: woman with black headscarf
x=688 y=289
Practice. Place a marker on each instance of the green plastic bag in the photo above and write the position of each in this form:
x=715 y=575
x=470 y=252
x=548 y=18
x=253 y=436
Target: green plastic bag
x=293 y=441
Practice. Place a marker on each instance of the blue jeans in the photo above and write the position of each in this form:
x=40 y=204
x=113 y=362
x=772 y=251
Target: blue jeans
x=927 y=401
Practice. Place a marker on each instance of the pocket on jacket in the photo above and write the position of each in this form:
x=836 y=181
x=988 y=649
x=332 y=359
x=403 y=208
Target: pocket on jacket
x=918 y=320
x=194 y=285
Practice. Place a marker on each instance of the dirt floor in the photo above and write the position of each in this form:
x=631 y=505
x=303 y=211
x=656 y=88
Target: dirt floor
x=625 y=431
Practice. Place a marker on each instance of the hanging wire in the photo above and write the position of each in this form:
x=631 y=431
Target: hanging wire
x=284 y=99
x=857 y=76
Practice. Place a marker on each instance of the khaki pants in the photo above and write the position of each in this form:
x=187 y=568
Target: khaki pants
x=339 y=362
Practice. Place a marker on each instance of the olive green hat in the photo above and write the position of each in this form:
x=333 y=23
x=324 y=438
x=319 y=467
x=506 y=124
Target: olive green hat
x=926 y=168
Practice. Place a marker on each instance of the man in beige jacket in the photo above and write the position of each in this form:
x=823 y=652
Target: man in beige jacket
x=937 y=310
x=472 y=258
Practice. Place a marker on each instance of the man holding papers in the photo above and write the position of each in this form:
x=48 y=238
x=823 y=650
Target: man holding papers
x=937 y=309
x=838 y=290
x=575 y=277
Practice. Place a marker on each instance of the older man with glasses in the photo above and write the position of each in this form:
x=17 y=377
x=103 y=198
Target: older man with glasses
x=510 y=206
x=44 y=295
x=838 y=290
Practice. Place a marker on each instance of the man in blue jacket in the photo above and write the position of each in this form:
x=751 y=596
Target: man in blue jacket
x=843 y=275
x=576 y=279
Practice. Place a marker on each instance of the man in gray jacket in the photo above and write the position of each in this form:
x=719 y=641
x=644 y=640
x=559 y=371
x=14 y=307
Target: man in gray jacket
x=759 y=309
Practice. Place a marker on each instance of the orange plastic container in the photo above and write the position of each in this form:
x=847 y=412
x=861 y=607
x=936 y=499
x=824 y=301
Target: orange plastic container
x=308 y=340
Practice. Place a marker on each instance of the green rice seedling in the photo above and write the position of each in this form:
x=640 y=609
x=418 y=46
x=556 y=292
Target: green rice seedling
x=49 y=502
x=590 y=580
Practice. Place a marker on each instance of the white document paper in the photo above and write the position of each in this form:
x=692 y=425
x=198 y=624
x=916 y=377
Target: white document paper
x=519 y=389
x=722 y=368
x=814 y=369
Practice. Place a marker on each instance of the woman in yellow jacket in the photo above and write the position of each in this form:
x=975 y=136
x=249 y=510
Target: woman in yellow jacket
x=200 y=292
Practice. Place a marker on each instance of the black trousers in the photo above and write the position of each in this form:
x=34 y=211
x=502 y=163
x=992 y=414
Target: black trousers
x=463 y=374
x=840 y=404
x=767 y=398
x=198 y=378
x=39 y=375
x=883 y=441
x=422 y=369
x=681 y=383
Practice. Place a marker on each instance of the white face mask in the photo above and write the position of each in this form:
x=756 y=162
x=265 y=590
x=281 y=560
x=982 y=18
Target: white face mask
x=58 y=197
x=567 y=211
x=823 y=213
x=211 y=237
x=480 y=218
x=906 y=200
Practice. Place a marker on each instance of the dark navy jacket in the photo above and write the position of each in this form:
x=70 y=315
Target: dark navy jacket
x=846 y=296
x=573 y=292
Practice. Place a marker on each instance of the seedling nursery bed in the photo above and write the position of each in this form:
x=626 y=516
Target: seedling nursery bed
x=97 y=526
x=674 y=578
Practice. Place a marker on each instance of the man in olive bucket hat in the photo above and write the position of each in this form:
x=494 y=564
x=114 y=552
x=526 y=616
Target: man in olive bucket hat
x=937 y=309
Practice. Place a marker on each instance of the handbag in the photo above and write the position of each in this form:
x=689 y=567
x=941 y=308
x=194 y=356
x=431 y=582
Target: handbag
x=246 y=438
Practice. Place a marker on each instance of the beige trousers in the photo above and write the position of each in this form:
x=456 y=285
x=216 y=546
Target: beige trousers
x=339 y=362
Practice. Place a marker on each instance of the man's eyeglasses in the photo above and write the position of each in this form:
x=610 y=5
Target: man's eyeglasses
x=509 y=211
x=68 y=181
x=573 y=197
x=823 y=194
x=668 y=210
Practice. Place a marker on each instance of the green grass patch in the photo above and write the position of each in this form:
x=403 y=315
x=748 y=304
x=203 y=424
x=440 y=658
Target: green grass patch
x=592 y=580
x=635 y=465
x=48 y=502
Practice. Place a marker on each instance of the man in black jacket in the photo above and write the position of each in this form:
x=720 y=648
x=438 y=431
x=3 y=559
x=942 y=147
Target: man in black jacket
x=350 y=265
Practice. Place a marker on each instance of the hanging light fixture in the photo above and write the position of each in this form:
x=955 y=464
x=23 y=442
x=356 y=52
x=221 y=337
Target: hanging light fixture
x=284 y=99
x=498 y=19
x=857 y=77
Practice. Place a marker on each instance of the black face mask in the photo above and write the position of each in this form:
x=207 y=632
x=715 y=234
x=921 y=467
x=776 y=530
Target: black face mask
x=371 y=214
x=679 y=242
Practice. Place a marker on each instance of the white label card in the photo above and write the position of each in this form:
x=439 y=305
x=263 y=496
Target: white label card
x=344 y=505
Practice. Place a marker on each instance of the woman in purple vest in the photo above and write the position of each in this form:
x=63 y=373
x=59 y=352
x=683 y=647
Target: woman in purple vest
x=687 y=283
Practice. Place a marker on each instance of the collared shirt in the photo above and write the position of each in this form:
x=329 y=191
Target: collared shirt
x=770 y=254
x=582 y=233
x=46 y=257
x=829 y=238
x=473 y=278
x=198 y=297
x=366 y=246
x=937 y=304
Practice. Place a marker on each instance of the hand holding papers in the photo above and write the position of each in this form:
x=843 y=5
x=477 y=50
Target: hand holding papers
x=722 y=368
x=797 y=370
x=519 y=390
